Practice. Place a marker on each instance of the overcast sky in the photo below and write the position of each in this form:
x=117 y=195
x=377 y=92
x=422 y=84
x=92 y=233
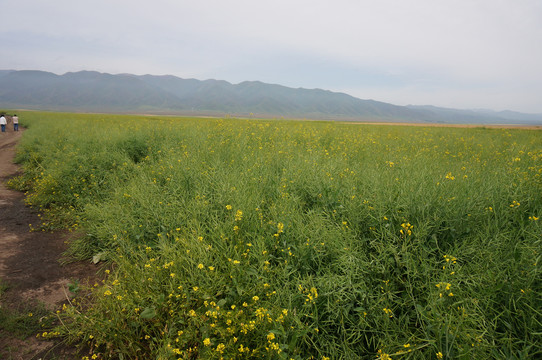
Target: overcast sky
x=461 y=54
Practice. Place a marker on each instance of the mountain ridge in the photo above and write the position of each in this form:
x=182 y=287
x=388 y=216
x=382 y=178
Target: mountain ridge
x=167 y=94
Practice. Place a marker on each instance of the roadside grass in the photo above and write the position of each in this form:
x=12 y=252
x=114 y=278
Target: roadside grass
x=3 y=287
x=25 y=320
x=234 y=238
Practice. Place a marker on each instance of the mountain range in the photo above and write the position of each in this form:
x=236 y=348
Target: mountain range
x=91 y=91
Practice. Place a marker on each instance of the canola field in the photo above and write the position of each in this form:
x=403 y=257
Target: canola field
x=272 y=239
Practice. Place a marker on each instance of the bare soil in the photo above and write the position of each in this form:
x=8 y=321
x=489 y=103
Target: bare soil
x=33 y=269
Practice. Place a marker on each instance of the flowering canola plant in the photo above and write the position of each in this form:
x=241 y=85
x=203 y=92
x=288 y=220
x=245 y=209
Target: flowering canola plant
x=232 y=239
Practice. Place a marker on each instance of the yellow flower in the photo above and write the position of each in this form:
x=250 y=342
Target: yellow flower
x=207 y=342
x=439 y=355
x=383 y=356
x=200 y=266
x=228 y=207
x=406 y=229
x=514 y=204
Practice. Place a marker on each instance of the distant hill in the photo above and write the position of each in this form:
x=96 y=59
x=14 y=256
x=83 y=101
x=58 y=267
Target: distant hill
x=98 y=92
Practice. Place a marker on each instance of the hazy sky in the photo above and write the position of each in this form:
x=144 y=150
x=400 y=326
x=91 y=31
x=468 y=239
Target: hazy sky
x=461 y=54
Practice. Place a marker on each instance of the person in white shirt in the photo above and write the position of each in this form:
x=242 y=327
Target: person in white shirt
x=15 y=120
x=3 y=123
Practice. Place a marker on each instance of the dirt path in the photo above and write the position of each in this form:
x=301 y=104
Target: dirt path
x=30 y=271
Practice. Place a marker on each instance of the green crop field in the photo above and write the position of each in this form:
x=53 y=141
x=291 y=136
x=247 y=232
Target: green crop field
x=238 y=239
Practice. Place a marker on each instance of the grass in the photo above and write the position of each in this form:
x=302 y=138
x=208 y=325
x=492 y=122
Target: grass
x=22 y=320
x=237 y=238
x=25 y=320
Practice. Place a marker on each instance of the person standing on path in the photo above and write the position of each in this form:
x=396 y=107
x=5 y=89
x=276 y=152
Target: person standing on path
x=3 y=123
x=15 y=120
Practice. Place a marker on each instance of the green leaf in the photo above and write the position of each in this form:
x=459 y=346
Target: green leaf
x=99 y=257
x=148 y=313
x=73 y=286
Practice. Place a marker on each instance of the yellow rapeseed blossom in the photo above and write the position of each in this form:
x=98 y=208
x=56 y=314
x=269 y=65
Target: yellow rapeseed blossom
x=388 y=312
x=406 y=229
x=382 y=355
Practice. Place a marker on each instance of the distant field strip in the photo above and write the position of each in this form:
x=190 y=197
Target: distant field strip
x=238 y=239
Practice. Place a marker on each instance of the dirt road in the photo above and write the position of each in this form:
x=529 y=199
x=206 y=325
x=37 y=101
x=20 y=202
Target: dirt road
x=30 y=271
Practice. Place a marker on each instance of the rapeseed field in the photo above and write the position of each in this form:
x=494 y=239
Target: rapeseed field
x=273 y=239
